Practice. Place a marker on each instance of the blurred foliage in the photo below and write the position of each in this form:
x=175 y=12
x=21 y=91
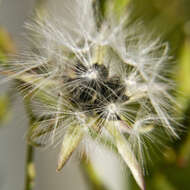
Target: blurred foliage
x=6 y=43
x=6 y=47
x=184 y=73
x=2 y=58
x=119 y=6
x=4 y=108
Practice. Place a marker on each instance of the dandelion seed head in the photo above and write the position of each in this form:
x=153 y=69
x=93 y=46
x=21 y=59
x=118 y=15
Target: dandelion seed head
x=79 y=75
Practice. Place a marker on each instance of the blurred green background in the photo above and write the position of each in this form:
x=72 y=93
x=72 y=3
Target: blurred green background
x=168 y=19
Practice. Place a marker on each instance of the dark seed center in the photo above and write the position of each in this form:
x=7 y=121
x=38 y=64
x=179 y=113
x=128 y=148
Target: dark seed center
x=95 y=90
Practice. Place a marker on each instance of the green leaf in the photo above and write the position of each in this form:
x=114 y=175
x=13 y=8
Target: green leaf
x=184 y=154
x=127 y=154
x=70 y=142
x=2 y=58
x=6 y=44
x=184 y=72
x=161 y=182
x=120 y=6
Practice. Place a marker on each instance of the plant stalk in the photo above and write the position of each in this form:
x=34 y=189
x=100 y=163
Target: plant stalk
x=91 y=176
x=29 y=168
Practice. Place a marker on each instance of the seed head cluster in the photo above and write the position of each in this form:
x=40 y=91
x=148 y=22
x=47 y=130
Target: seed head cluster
x=94 y=91
x=84 y=79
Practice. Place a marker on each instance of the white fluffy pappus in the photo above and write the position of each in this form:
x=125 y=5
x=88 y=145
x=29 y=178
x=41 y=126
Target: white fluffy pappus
x=84 y=81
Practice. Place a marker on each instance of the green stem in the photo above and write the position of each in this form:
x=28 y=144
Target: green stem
x=92 y=178
x=29 y=167
x=30 y=170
